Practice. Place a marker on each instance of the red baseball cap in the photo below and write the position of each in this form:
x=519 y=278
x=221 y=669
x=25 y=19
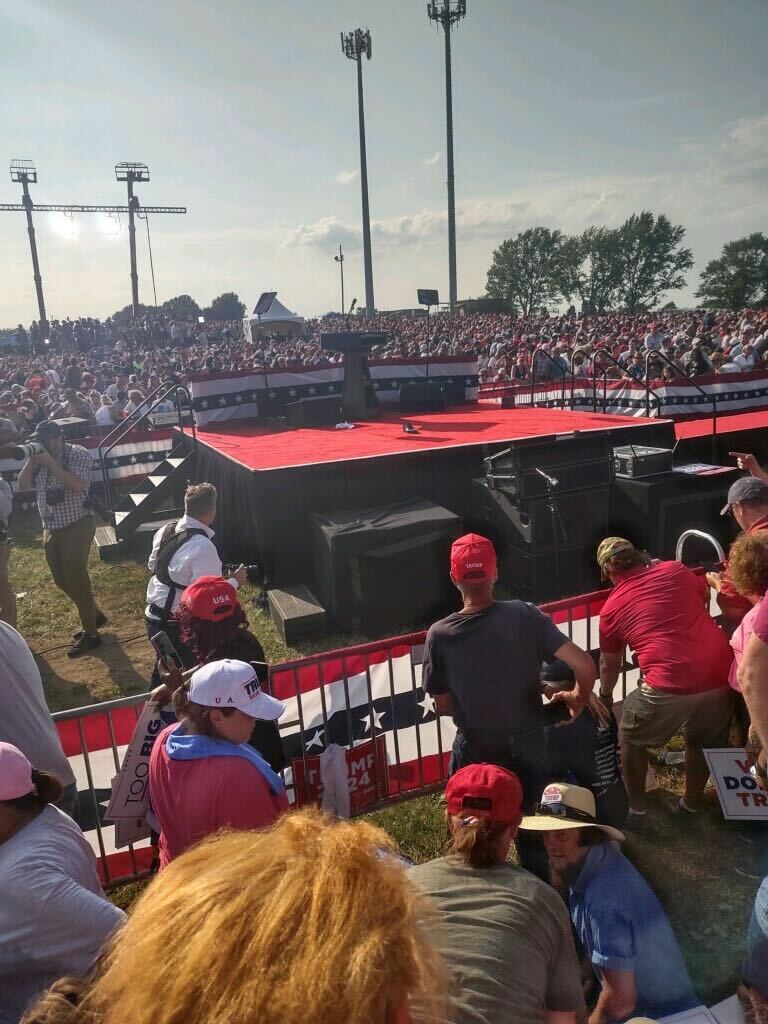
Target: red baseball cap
x=211 y=598
x=487 y=791
x=473 y=559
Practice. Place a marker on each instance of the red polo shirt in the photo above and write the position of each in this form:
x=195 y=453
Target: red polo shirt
x=658 y=612
x=732 y=604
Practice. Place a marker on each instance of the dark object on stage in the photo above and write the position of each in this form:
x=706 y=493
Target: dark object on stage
x=575 y=461
x=314 y=412
x=422 y=397
x=385 y=568
x=635 y=461
x=358 y=398
x=74 y=426
x=408 y=428
x=428 y=296
x=297 y=614
x=654 y=511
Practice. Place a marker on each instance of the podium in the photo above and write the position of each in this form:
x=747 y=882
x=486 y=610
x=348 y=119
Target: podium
x=358 y=399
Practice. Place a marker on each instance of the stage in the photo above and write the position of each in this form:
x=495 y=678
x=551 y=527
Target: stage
x=261 y=449
x=274 y=483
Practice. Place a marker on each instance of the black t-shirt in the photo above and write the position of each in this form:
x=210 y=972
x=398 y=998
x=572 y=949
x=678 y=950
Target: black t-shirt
x=490 y=662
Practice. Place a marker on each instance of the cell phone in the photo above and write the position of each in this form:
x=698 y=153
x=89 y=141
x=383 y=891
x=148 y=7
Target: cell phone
x=165 y=651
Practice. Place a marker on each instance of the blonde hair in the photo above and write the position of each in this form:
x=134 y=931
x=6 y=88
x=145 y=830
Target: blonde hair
x=59 y=1004
x=311 y=920
x=748 y=563
x=199 y=498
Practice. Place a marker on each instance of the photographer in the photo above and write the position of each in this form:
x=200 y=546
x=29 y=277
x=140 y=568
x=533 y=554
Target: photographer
x=8 y=433
x=182 y=552
x=61 y=474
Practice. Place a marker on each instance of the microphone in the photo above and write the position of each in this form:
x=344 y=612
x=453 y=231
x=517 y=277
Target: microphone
x=551 y=480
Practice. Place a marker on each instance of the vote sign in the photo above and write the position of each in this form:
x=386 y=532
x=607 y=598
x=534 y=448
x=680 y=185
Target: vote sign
x=740 y=795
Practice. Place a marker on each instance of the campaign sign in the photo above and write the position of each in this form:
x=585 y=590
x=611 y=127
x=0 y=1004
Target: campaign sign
x=130 y=798
x=738 y=791
x=366 y=764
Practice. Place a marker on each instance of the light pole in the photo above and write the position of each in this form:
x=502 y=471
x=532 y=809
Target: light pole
x=354 y=45
x=340 y=260
x=145 y=218
x=24 y=173
x=447 y=13
x=130 y=173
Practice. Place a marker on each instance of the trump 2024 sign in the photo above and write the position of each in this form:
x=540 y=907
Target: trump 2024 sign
x=739 y=792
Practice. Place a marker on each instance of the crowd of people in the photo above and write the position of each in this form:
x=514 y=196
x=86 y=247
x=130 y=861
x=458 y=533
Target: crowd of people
x=261 y=911
x=102 y=371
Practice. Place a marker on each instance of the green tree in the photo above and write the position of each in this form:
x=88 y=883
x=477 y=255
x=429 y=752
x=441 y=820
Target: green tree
x=225 y=307
x=652 y=259
x=739 y=277
x=526 y=269
x=591 y=268
x=181 y=307
x=125 y=315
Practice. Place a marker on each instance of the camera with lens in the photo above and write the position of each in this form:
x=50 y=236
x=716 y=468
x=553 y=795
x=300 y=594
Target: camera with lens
x=26 y=450
x=252 y=572
x=54 y=497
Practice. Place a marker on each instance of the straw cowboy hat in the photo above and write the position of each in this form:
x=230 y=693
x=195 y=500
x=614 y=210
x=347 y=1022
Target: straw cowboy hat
x=563 y=807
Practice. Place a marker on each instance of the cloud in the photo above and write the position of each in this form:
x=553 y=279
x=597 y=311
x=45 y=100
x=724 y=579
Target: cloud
x=346 y=177
x=726 y=183
x=432 y=159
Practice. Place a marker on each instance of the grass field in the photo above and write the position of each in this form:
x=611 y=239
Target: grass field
x=689 y=864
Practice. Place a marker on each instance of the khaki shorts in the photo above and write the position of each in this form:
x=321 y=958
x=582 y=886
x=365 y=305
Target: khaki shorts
x=651 y=717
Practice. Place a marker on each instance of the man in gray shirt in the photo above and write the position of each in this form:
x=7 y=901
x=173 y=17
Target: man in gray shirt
x=26 y=721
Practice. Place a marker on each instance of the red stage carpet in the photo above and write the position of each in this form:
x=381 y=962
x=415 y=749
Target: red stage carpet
x=259 y=448
x=728 y=424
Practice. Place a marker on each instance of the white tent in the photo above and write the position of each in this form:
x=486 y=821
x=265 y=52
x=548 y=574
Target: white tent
x=277 y=320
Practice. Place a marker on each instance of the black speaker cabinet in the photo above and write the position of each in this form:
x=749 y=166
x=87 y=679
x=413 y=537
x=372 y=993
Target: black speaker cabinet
x=575 y=461
x=314 y=412
x=422 y=397
x=536 y=577
x=653 y=512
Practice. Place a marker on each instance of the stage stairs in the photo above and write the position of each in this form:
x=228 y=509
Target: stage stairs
x=133 y=518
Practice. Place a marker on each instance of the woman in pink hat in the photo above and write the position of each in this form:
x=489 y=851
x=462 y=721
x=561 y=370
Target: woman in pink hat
x=54 y=917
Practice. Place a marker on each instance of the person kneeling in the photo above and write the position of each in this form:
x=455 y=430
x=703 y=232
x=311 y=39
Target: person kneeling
x=619 y=920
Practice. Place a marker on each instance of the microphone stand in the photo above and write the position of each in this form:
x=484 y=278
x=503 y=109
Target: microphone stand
x=556 y=520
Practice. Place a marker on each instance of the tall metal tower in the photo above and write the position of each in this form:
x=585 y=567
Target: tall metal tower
x=447 y=13
x=354 y=45
x=25 y=173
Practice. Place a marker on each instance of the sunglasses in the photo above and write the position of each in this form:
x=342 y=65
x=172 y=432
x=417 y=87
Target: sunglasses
x=561 y=810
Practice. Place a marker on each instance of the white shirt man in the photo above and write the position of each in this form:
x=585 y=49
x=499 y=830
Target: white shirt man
x=104 y=417
x=745 y=360
x=198 y=557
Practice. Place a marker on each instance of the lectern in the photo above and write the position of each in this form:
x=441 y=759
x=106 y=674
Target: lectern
x=358 y=398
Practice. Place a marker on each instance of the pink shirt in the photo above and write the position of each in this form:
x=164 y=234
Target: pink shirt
x=193 y=799
x=739 y=641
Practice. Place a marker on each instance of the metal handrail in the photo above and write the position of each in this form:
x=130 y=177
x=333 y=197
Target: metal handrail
x=624 y=372
x=587 y=360
x=687 y=534
x=664 y=358
x=557 y=366
x=123 y=430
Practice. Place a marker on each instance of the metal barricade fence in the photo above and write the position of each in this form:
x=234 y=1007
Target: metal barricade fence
x=365 y=704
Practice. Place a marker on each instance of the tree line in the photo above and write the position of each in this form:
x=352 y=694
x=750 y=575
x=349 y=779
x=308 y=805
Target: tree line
x=183 y=307
x=630 y=267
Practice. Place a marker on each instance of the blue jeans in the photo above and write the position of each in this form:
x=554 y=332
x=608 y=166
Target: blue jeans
x=525 y=755
x=754 y=969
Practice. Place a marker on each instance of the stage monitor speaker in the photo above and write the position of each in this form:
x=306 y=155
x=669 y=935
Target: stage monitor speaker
x=536 y=577
x=654 y=511
x=386 y=567
x=422 y=397
x=314 y=412
x=577 y=462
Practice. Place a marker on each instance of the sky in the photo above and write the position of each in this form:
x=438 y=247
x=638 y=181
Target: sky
x=565 y=114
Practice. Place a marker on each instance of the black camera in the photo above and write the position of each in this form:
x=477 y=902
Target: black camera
x=252 y=572
x=54 y=497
